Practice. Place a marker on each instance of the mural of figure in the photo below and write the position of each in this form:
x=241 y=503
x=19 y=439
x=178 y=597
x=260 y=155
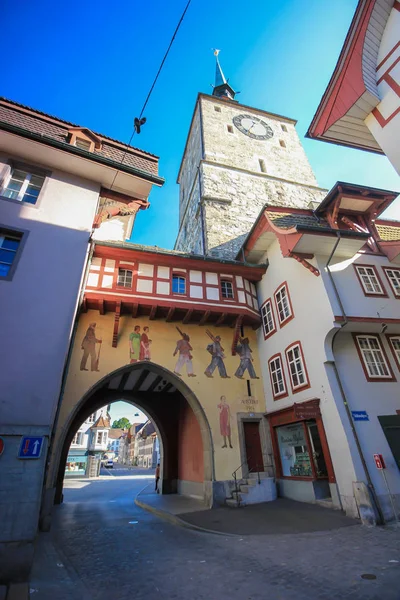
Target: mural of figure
x=217 y=353
x=89 y=349
x=184 y=349
x=145 y=345
x=246 y=360
x=134 y=344
x=225 y=421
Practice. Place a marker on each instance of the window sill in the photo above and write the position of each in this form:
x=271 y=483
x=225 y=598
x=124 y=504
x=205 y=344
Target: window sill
x=286 y=321
x=306 y=386
x=19 y=202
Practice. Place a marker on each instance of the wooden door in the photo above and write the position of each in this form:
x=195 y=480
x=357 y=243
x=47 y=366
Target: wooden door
x=253 y=446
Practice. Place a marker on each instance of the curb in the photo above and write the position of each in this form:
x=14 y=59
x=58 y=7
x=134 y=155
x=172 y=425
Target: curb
x=174 y=520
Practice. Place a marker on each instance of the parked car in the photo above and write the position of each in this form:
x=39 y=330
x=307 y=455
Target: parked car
x=109 y=463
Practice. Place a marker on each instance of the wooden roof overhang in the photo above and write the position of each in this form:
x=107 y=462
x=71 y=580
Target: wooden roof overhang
x=301 y=241
x=352 y=92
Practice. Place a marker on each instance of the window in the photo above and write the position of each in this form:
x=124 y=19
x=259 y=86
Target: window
x=296 y=366
x=91 y=419
x=124 y=278
x=9 y=245
x=263 y=168
x=77 y=439
x=282 y=144
x=217 y=108
x=393 y=276
x=267 y=317
x=229 y=128
x=277 y=377
x=178 y=284
x=369 y=280
x=23 y=186
x=374 y=360
x=283 y=305
x=83 y=144
x=99 y=437
x=283 y=127
x=227 y=289
x=293 y=450
x=394 y=343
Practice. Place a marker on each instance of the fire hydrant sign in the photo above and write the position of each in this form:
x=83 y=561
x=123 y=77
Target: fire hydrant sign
x=31 y=447
x=379 y=462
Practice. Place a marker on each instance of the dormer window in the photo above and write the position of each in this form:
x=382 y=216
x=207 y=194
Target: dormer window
x=83 y=144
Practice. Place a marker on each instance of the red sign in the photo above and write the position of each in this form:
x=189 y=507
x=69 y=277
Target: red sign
x=1 y=446
x=380 y=463
x=307 y=410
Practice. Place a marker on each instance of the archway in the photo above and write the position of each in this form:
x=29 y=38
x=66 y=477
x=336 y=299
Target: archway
x=187 y=457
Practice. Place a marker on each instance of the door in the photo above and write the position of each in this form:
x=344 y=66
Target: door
x=253 y=446
x=391 y=428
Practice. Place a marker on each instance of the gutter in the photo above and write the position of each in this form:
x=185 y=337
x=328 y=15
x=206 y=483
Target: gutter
x=370 y=485
x=42 y=139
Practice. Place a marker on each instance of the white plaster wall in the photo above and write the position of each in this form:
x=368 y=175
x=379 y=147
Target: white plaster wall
x=351 y=293
x=313 y=319
x=37 y=305
x=378 y=399
x=388 y=136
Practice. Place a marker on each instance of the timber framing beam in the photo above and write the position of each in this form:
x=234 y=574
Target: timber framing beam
x=205 y=317
x=188 y=316
x=220 y=320
x=170 y=315
x=153 y=312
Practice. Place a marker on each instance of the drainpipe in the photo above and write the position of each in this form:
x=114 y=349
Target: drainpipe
x=342 y=392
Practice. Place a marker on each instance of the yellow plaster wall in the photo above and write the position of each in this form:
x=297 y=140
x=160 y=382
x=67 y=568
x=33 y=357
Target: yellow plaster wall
x=164 y=337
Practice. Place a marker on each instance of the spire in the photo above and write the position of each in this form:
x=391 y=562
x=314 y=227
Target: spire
x=222 y=89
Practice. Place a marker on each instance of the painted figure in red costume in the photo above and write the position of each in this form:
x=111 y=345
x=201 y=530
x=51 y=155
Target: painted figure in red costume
x=225 y=421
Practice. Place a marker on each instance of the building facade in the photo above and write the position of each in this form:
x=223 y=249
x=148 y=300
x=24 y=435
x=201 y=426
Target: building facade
x=55 y=180
x=361 y=105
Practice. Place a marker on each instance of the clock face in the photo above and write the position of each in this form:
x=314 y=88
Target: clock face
x=253 y=127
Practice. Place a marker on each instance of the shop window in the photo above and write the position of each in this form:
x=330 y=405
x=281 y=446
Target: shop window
x=393 y=276
x=375 y=363
x=283 y=305
x=293 y=451
x=267 y=318
x=296 y=367
x=278 y=383
x=125 y=278
x=178 y=284
x=227 y=289
x=369 y=279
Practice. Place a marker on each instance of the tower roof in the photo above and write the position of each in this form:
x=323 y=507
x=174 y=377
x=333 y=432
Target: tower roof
x=222 y=89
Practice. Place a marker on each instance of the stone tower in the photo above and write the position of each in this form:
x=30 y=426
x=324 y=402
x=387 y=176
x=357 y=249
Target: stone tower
x=236 y=160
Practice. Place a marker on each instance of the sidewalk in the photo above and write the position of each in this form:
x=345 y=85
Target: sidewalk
x=283 y=516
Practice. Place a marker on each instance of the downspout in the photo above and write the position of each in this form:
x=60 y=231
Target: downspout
x=342 y=392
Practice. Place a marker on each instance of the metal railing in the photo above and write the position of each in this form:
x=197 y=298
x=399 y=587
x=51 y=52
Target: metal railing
x=256 y=469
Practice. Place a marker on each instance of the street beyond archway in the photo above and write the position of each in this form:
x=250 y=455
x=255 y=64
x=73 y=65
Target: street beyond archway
x=103 y=546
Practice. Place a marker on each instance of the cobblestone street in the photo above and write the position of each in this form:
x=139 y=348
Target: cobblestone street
x=102 y=546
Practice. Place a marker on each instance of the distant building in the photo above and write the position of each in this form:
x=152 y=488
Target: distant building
x=91 y=439
x=114 y=440
x=148 y=453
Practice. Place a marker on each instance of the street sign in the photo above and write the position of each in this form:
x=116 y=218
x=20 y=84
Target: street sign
x=1 y=446
x=31 y=447
x=380 y=463
x=360 y=415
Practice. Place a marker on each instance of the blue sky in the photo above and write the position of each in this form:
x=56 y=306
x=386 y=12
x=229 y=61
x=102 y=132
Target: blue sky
x=92 y=63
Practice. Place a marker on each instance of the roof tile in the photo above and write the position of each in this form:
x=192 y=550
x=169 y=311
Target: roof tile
x=288 y=220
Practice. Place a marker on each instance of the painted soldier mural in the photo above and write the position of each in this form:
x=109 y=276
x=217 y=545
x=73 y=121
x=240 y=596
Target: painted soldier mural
x=134 y=345
x=217 y=353
x=246 y=360
x=145 y=345
x=225 y=421
x=184 y=349
x=89 y=349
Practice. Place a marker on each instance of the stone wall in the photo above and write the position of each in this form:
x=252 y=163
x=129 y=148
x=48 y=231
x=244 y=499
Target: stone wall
x=190 y=164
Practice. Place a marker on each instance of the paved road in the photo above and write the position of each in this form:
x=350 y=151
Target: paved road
x=103 y=547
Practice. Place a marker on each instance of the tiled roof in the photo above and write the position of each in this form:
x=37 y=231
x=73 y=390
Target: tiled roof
x=288 y=220
x=39 y=123
x=388 y=233
x=101 y=422
x=114 y=434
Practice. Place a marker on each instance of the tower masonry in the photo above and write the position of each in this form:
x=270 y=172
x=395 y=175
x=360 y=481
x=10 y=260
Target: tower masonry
x=236 y=160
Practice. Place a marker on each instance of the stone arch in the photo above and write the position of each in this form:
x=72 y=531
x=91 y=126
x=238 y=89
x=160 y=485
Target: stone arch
x=165 y=399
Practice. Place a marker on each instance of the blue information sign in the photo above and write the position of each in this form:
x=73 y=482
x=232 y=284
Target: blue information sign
x=360 y=415
x=31 y=447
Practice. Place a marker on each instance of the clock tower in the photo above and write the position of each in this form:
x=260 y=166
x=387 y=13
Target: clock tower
x=237 y=159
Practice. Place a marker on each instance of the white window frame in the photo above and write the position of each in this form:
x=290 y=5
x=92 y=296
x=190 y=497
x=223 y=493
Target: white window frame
x=277 y=375
x=25 y=184
x=370 y=277
x=224 y=283
x=296 y=367
x=395 y=351
x=178 y=277
x=268 y=318
x=283 y=303
x=99 y=437
x=78 y=438
x=378 y=356
x=123 y=279
x=393 y=276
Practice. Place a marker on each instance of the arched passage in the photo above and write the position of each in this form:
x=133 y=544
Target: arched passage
x=177 y=414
